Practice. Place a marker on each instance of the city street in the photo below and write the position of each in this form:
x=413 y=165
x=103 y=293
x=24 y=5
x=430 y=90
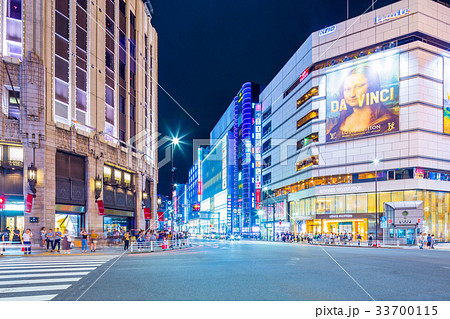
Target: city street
x=248 y=270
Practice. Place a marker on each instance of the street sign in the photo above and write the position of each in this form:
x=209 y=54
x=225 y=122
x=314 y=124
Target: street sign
x=383 y=218
x=169 y=202
x=383 y=224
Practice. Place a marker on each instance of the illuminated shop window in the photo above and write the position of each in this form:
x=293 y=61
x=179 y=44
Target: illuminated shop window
x=311 y=138
x=127 y=178
x=117 y=176
x=307 y=96
x=310 y=161
x=14 y=104
x=107 y=172
x=15 y=154
x=308 y=117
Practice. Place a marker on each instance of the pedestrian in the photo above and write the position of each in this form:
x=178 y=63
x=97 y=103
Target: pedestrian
x=94 y=238
x=140 y=241
x=50 y=237
x=84 y=238
x=359 y=239
x=26 y=237
x=3 y=235
x=16 y=236
x=43 y=237
x=432 y=241
x=370 y=239
x=126 y=240
x=421 y=241
x=67 y=242
x=429 y=241
x=57 y=241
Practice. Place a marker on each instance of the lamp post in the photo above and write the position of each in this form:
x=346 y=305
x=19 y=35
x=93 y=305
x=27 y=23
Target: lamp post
x=32 y=178
x=175 y=142
x=375 y=162
x=97 y=187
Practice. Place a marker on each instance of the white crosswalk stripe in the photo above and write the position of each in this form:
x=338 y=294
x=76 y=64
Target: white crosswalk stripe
x=43 y=278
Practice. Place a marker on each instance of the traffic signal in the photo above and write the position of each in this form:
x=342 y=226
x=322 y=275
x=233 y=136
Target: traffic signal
x=196 y=207
x=2 y=202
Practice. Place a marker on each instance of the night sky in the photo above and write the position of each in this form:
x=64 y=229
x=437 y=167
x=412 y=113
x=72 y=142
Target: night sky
x=209 y=48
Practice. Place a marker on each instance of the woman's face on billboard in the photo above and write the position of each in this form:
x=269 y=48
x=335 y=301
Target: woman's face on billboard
x=355 y=85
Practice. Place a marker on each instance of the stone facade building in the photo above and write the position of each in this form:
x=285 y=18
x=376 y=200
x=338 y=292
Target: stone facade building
x=79 y=101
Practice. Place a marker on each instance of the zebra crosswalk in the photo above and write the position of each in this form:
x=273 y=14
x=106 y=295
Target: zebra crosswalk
x=43 y=278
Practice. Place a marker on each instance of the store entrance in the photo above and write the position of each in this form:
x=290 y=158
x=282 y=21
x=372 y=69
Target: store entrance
x=353 y=227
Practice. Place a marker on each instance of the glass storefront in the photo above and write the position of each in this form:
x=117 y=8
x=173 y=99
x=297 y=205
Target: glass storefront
x=436 y=208
x=116 y=223
x=12 y=215
x=71 y=222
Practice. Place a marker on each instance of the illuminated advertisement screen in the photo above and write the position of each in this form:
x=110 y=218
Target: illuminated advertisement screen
x=212 y=172
x=363 y=99
x=447 y=95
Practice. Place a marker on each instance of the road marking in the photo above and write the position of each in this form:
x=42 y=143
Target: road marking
x=347 y=273
x=81 y=273
x=29 y=298
x=45 y=270
x=50 y=263
x=35 y=288
x=47 y=266
x=38 y=281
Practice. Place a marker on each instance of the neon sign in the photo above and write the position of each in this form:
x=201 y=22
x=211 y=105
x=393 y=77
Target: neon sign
x=392 y=16
x=327 y=30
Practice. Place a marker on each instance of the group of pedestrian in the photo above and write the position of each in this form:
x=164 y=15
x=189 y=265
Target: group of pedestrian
x=427 y=240
x=17 y=238
x=56 y=239
x=93 y=237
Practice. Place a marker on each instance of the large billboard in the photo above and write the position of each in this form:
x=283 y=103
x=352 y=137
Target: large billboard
x=363 y=99
x=447 y=95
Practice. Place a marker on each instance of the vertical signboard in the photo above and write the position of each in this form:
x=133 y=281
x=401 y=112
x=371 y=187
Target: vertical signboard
x=175 y=202
x=224 y=162
x=447 y=95
x=258 y=120
x=229 y=213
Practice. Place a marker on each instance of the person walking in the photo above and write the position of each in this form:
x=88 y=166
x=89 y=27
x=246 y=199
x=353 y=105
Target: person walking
x=370 y=239
x=26 y=237
x=16 y=236
x=84 y=238
x=358 y=237
x=2 y=240
x=57 y=241
x=126 y=240
x=94 y=238
x=429 y=241
x=67 y=242
x=420 y=241
x=43 y=237
x=433 y=241
x=140 y=241
x=50 y=237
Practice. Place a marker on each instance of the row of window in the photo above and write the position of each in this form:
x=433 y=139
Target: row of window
x=311 y=138
x=310 y=161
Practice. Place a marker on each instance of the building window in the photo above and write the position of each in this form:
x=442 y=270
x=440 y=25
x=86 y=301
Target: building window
x=310 y=161
x=267 y=129
x=311 y=138
x=13 y=29
x=267 y=161
x=117 y=176
x=307 y=96
x=267 y=179
x=267 y=113
x=267 y=145
x=308 y=117
x=13 y=105
x=107 y=172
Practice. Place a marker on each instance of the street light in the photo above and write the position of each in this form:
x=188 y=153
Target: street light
x=175 y=141
x=32 y=178
x=376 y=161
x=97 y=187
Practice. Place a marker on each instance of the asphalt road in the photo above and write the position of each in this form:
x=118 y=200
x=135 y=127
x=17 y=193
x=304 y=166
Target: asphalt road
x=245 y=270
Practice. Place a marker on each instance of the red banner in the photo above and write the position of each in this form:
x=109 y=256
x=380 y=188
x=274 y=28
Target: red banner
x=147 y=213
x=101 y=208
x=160 y=216
x=258 y=195
x=28 y=204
